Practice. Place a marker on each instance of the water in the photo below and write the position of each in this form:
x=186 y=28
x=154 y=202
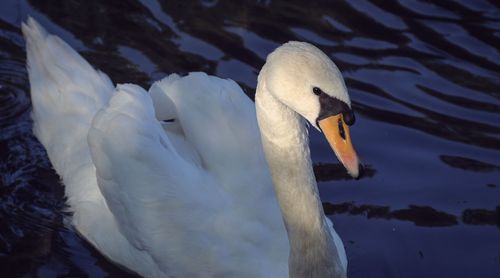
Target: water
x=425 y=83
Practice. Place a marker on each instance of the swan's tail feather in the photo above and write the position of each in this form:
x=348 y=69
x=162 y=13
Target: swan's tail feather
x=66 y=92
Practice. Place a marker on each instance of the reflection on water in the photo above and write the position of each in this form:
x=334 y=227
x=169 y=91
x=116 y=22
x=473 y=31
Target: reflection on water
x=420 y=215
x=424 y=79
x=469 y=164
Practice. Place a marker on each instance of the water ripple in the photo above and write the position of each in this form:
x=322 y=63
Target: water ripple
x=424 y=79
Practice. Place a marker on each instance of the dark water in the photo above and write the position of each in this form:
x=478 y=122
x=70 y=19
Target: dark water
x=425 y=83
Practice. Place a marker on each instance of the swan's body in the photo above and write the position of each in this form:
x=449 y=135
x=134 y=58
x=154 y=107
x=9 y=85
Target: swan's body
x=192 y=198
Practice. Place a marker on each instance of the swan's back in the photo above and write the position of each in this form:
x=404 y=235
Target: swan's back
x=157 y=200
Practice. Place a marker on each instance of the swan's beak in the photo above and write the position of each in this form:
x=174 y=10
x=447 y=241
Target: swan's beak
x=337 y=133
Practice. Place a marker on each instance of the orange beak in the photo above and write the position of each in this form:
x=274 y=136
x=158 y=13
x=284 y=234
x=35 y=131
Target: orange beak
x=337 y=133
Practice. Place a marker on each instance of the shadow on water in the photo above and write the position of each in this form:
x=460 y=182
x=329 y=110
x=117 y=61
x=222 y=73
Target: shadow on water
x=424 y=78
x=331 y=171
x=424 y=216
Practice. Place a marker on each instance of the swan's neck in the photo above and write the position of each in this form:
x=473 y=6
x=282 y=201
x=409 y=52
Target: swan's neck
x=286 y=146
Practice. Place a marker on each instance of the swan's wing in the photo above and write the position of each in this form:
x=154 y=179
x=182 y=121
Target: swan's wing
x=165 y=205
x=219 y=121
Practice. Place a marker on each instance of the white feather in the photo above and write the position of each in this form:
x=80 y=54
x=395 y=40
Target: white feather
x=191 y=198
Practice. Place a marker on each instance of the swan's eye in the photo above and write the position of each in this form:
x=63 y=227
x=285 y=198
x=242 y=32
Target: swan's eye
x=317 y=91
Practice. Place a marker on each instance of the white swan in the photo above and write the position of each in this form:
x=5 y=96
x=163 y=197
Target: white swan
x=194 y=197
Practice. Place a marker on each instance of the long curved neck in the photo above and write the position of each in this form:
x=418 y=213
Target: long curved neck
x=286 y=146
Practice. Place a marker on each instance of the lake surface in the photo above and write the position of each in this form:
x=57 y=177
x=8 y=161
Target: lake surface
x=424 y=79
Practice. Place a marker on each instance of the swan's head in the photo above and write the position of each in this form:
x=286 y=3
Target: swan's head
x=307 y=81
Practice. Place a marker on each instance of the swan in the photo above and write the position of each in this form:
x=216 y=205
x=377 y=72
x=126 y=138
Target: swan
x=191 y=179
